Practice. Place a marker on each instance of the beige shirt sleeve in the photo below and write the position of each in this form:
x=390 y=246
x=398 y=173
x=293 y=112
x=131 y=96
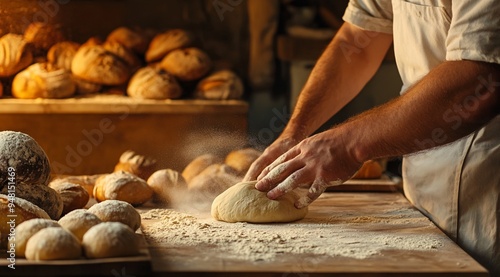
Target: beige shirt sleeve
x=371 y=15
x=474 y=31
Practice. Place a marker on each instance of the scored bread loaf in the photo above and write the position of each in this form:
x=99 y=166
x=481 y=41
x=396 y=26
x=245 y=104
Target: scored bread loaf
x=73 y=196
x=221 y=85
x=165 y=42
x=123 y=53
x=241 y=159
x=86 y=181
x=15 y=55
x=197 y=165
x=43 y=80
x=153 y=83
x=166 y=183
x=123 y=186
x=61 y=54
x=139 y=165
x=43 y=35
x=117 y=211
x=212 y=181
x=187 y=64
x=133 y=40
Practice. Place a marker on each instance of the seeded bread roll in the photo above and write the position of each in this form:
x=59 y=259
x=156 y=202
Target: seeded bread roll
x=61 y=54
x=110 y=239
x=78 y=222
x=24 y=156
x=43 y=35
x=132 y=39
x=370 y=170
x=199 y=164
x=15 y=55
x=166 y=42
x=97 y=65
x=73 y=196
x=43 y=80
x=136 y=164
x=27 y=229
x=117 y=211
x=53 y=243
x=241 y=160
x=123 y=186
x=165 y=183
x=221 y=85
x=187 y=64
x=23 y=210
x=153 y=83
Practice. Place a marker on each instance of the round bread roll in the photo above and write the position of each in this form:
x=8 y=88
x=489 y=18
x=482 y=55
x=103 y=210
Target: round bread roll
x=212 y=181
x=123 y=186
x=166 y=42
x=199 y=164
x=242 y=159
x=25 y=157
x=84 y=87
x=43 y=80
x=221 y=85
x=15 y=55
x=187 y=64
x=110 y=239
x=53 y=243
x=153 y=83
x=369 y=170
x=73 y=196
x=117 y=211
x=61 y=54
x=133 y=40
x=27 y=229
x=165 y=183
x=124 y=53
x=136 y=164
x=97 y=65
x=23 y=210
x=78 y=222
x=41 y=195
x=43 y=35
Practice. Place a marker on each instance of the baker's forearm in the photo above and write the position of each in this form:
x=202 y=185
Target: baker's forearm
x=453 y=100
x=351 y=59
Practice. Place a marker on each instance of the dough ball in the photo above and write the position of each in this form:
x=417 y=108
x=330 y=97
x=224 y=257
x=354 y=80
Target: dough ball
x=123 y=186
x=110 y=239
x=27 y=229
x=25 y=156
x=73 y=196
x=199 y=164
x=53 y=243
x=117 y=211
x=243 y=202
x=78 y=222
x=165 y=184
x=242 y=159
x=187 y=64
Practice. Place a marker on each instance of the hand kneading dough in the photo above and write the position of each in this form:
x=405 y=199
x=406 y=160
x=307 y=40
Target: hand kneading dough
x=242 y=202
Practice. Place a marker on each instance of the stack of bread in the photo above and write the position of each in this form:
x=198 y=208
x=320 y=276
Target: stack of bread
x=138 y=63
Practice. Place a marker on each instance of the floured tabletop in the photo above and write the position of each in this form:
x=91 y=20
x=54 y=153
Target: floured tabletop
x=365 y=234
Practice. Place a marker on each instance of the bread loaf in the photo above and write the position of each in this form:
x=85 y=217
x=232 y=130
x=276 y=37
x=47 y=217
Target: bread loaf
x=123 y=186
x=61 y=54
x=15 y=55
x=164 y=43
x=97 y=65
x=199 y=164
x=110 y=239
x=123 y=53
x=43 y=35
x=133 y=40
x=241 y=160
x=117 y=211
x=369 y=170
x=78 y=222
x=53 y=243
x=187 y=64
x=27 y=229
x=136 y=164
x=165 y=183
x=212 y=181
x=153 y=83
x=86 y=181
x=43 y=80
x=221 y=85
x=73 y=196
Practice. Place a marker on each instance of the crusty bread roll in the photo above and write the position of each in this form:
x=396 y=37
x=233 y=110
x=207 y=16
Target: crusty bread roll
x=98 y=65
x=212 y=181
x=84 y=87
x=43 y=80
x=25 y=157
x=24 y=210
x=197 y=165
x=153 y=83
x=43 y=35
x=110 y=239
x=41 y=195
x=15 y=55
x=124 y=53
x=123 y=186
x=369 y=170
x=166 y=42
x=165 y=183
x=78 y=222
x=61 y=54
x=53 y=243
x=86 y=181
x=221 y=85
x=73 y=196
x=27 y=229
x=241 y=160
x=92 y=41
x=117 y=211
x=133 y=40
x=136 y=164
x=187 y=64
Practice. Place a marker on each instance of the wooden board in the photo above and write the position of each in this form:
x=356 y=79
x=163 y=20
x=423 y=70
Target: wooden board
x=120 y=266
x=352 y=212
x=383 y=184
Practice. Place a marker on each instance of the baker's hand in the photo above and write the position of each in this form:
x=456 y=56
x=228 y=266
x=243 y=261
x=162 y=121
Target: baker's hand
x=317 y=162
x=277 y=148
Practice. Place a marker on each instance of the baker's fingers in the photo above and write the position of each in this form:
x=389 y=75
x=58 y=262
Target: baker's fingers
x=317 y=188
x=277 y=175
x=293 y=181
x=255 y=169
x=280 y=160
